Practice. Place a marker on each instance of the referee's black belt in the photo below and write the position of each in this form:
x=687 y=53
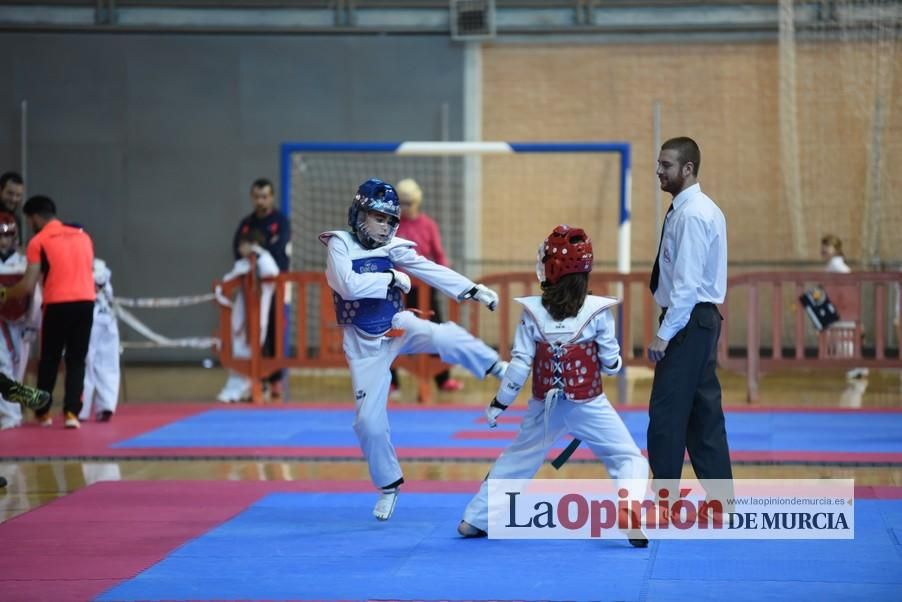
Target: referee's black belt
x=702 y=304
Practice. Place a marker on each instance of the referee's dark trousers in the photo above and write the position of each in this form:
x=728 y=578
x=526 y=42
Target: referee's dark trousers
x=685 y=410
x=65 y=327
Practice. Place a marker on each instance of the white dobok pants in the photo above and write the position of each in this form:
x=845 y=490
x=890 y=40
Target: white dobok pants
x=238 y=385
x=13 y=361
x=370 y=359
x=595 y=422
x=102 y=375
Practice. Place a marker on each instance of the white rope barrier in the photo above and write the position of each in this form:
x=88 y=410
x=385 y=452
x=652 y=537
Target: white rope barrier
x=156 y=340
x=164 y=301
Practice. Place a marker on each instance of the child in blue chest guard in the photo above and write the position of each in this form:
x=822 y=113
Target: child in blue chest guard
x=363 y=269
x=566 y=340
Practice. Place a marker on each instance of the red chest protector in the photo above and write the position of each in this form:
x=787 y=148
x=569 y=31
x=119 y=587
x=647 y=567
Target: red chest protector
x=14 y=308
x=572 y=367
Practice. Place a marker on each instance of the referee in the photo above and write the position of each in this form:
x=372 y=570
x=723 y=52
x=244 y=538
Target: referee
x=689 y=281
x=63 y=256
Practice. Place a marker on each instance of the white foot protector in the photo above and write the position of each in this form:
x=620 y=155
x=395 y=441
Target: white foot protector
x=498 y=369
x=385 y=505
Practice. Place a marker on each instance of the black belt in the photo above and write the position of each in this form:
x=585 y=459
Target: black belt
x=702 y=304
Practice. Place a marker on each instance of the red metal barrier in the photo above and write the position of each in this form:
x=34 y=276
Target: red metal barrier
x=860 y=297
x=317 y=340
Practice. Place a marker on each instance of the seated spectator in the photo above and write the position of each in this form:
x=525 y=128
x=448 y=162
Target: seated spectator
x=832 y=253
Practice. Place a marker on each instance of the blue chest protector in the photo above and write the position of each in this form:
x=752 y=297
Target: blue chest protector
x=372 y=316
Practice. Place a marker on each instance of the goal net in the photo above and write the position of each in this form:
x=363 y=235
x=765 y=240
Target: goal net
x=494 y=202
x=840 y=97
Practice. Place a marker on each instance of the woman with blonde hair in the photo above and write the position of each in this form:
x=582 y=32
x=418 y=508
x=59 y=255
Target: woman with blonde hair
x=421 y=229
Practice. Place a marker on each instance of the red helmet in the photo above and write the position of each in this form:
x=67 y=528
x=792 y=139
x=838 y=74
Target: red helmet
x=7 y=223
x=566 y=251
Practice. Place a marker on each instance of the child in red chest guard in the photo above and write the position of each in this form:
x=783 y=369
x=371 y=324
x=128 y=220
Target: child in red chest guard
x=566 y=341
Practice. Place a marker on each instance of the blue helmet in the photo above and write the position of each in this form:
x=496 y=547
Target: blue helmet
x=378 y=197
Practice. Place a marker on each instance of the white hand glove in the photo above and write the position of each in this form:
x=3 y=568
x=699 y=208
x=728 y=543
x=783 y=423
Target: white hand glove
x=400 y=280
x=493 y=411
x=483 y=294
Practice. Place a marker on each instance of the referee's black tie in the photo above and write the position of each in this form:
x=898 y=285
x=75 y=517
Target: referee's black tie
x=656 y=270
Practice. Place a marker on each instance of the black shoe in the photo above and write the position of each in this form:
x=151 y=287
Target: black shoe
x=468 y=530
x=640 y=541
x=104 y=416
x=29 y=397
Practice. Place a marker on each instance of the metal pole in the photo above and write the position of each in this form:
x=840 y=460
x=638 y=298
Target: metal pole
x=656 y=145
x=472 y=185
x=624 y=258
x=23 y=143
x=444 y=120
x=444 y=196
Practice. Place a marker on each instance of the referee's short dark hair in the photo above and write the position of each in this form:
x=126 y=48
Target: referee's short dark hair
x=687 y=152
x=40 y=205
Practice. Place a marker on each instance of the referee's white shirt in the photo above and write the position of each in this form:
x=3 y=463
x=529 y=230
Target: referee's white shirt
x=692 y=259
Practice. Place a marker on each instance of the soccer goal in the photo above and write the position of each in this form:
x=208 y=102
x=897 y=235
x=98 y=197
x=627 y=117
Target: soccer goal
x=494 y=202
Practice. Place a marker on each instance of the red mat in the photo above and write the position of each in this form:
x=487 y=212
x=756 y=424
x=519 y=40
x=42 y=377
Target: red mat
x=78 y=546
x=94 y=439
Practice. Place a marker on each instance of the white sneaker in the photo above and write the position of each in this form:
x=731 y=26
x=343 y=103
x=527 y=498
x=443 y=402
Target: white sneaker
x=235 y=389
x=225 y=397
x=857 y=374
x=385 y=505
x=232 y=395
x=498 y=369
x=71 y=421
x=243 y=395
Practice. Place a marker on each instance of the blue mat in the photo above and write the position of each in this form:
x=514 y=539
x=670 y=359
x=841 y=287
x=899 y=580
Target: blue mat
x=328 y=546
x=747 y=431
